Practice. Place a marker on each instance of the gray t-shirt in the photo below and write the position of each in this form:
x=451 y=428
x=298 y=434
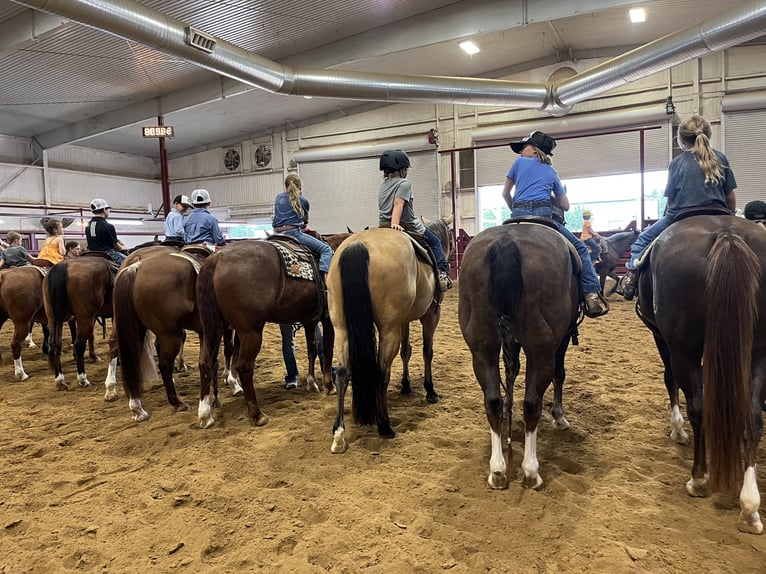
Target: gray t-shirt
x=687 y=188
x=15 y=256
x=391 y=188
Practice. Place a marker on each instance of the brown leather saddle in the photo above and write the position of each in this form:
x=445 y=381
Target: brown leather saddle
x=548 y=222
x=707 y=210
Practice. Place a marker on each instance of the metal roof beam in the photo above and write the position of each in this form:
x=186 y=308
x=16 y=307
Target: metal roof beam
x=22 y=30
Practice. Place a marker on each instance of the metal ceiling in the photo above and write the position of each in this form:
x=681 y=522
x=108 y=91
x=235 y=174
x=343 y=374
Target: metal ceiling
x=67 y=82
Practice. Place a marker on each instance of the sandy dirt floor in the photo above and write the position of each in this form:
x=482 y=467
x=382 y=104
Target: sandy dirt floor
x=85 y=489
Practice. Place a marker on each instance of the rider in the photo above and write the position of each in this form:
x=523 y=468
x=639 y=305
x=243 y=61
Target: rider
x=589 y=236
x=291 y=214
x=15 y=255
x=535 y=179
x=101 y=234
x=396 y=208
x=201 y=226
x=174 y=220
x=699 y=177
x=53 y=249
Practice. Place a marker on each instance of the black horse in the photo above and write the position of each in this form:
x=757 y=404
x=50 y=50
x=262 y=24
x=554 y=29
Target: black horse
x=617 y=245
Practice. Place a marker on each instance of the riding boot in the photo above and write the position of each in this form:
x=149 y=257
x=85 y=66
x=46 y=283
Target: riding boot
x=629 y=284
x=595 y=305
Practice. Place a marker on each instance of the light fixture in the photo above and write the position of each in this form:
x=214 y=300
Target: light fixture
x=126 y=221
x=308 y=97
x=670 y=107
x=469 y=47
x=637 y=15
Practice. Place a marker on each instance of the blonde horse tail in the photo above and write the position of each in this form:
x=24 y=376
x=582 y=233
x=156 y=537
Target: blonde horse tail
x=130 y=332
x=366 y=374
x=506 y=285
x=731 y=287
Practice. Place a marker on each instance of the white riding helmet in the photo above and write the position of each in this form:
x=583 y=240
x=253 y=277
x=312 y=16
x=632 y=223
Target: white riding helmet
x=200 y=196
x=99 y=204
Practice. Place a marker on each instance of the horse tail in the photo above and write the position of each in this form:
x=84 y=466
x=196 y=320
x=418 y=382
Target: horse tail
x=506 y=284
x=366 y=373
x=130 y=331
x=211 y=318
x=731 y=288
x=57 y=292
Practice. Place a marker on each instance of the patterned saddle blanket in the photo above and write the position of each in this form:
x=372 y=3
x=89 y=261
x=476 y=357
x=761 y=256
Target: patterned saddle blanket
x=299 y=262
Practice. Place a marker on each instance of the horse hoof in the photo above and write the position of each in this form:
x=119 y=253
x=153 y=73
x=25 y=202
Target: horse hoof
x=181 y=407
x=206 y=423
x=535 y=482
x=432 y=398
x=386 y=432
x=261 y=421
x=697 y=488
x=497 y=480
x=750 y=524
x=680 y=437
x=406 y=390
x=141 y=416
x=61 y=384
x=338 y=442
x=331 y=390
x=111 y=396
x=560 y=424
x=216 y=403
x=22 y=376
x=94 y=359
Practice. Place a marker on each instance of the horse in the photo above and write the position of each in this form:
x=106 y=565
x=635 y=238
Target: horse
x=518 y=291
x=617 y=245
x=138 y=310
x=704 y=300
x=244 y=286
x=378 y=281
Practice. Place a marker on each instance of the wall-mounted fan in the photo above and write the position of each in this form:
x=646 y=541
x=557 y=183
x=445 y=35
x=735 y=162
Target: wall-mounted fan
x=231 y=159
x=263 y=156
x=65 y=221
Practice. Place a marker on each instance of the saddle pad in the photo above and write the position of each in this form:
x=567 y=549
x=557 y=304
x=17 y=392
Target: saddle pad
x=191 y=259
x=294 y=265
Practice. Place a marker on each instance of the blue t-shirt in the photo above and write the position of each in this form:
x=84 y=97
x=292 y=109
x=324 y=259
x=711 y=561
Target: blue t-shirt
x=686 y=185
x=534 y=181
x=202 y=226
x=284 y=214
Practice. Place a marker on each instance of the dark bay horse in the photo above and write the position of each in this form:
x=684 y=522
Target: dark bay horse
x=704 y=299
x=518 y=292
x=156 y=294
x=377 y=282
x=617 y=244
x=244 y=286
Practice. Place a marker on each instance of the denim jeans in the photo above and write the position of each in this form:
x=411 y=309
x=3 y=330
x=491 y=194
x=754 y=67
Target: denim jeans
x=644 y=239
x=319 y=247
x=288 y=349
x=436 y=247
x=595 y=248
x=117 y=256
x=588 y=277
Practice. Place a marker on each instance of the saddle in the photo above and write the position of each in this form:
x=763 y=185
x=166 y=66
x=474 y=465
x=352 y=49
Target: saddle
x=300 y=263
x=43 y=263
x=423 y=252
x=547 y=222
x=200 y=249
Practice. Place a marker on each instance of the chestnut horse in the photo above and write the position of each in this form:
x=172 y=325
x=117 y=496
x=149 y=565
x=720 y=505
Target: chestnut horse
x=378 y=281
x=704 y=299
x=244 y=286
x=138 y=310
x=518 y=292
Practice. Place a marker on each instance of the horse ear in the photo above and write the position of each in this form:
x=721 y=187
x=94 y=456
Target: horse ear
x=448 y=219
x=348 y=229
x=424 y=220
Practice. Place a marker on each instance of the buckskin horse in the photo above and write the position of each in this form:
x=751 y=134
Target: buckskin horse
x=617 y=244
x=377 y=281
x=703 y=298
x=518 y=290
x=244 y=286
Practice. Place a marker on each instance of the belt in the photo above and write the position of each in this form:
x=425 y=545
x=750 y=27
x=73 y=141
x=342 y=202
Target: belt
x=282 y=228
x=531 y=204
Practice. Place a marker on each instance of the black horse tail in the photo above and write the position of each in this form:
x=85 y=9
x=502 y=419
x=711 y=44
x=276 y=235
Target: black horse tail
x=131 y=333
x=506 y=285
x=211 y=318
x=57 y=292
x=366 y=373
x=731 y=288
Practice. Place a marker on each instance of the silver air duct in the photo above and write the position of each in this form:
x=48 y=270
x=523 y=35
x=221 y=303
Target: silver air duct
x=132 y=21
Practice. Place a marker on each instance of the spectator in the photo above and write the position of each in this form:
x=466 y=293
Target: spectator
x=174 y=222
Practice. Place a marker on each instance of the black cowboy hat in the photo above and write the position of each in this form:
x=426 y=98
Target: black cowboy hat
x=755 y=210
x=540 y=140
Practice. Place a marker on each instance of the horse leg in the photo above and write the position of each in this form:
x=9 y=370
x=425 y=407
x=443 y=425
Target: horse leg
x=328 y=343
x=539 y=375
x=228 y=352
x=677 y=433
x=487 y=371
x=749 y=496
x=249 y=346
x=390 y=340
x=20 y=333
x=429 y=322
x=94 y=358
x=688 y=374
x=180 y=363
x=84 y=332
x=46 y=339
x=511 y=351
x=406 y=353
x=28 y=339
x=54 y=356
x=311 y=350
x=559 y=374
x=208 y=371
x=614 y=276
x=342 y=377
x=169 y=347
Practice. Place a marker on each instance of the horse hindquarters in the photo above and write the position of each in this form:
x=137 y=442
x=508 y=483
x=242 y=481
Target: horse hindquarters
x=56 y=302
x=728 y=412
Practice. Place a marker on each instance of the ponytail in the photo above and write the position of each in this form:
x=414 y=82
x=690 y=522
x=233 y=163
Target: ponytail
x=293 y=186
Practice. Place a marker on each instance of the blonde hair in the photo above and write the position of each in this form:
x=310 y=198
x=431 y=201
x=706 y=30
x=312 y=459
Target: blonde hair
x=694 y=134
x=293 y=185
x=541 y=156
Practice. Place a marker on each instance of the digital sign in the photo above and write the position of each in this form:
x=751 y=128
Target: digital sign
x=158 y=131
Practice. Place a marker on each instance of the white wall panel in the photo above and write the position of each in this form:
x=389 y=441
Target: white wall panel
x=745 y=153
x=250 y=195
x=16 y=149
x=80 y=158
x=21 y=184
x=78 y=188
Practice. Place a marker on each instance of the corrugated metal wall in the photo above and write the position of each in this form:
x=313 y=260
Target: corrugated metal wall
x=21 y=184
x=91 y=159
x=78 y=188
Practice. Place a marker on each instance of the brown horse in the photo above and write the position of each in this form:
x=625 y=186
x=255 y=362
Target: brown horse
x=518 y=291
x=244 y=286
x=704 y=300
x=378 y=281
x=617 y=244
x=138 y=310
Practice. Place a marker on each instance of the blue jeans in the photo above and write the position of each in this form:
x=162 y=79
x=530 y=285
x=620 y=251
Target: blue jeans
x=644 y=239
x=588 y=277
x=436 y=247
x=321 y=248
x=595 y=248
x=288 y=349
x=117 y=256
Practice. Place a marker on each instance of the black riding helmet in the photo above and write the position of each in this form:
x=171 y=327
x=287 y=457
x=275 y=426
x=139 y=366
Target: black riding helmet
x=394 y=160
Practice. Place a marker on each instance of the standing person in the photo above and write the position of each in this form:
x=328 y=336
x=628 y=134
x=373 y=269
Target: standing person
x=101 y=235
x=15 y=255
x=699 y=177
x=72 y=249
x=201 y=226
x=288 y=332
x=538 y=187
x=53 y=249
x=174 y=222
x=291 y=213
x=396 y=207
x=590 y=237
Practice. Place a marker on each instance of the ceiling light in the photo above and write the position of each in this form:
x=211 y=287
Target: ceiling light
x=126 y=221
x=637 y=15
x=469 y=47
x=308 y=97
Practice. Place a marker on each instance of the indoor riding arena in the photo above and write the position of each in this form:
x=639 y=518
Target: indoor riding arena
x=131 y=103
